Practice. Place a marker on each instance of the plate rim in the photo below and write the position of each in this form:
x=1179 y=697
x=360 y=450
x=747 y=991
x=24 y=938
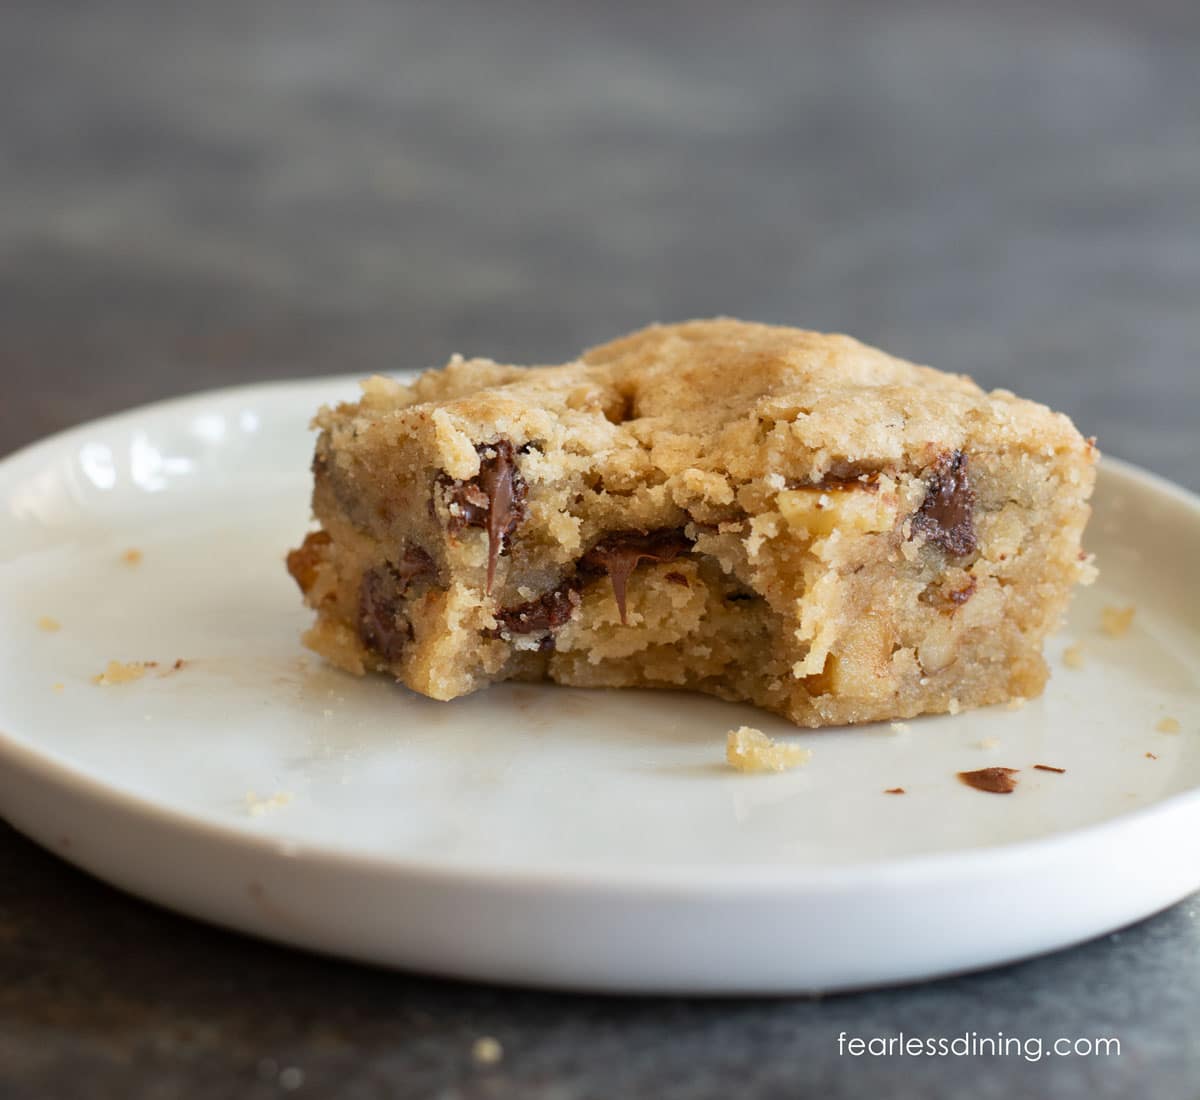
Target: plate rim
x=666 y=879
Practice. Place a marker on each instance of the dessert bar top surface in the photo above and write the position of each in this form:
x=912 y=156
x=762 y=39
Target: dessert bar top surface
x=725 y=396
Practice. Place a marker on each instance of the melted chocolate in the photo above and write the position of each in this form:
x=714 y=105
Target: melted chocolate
x=380 y=595
x=945 y=516
x=845 y=476
x=548 y=612
x=619 y=554
x=493 y=499
x=416 y=564
x=992 y=780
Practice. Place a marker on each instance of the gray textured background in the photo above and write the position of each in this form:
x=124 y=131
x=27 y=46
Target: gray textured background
x=195 y=195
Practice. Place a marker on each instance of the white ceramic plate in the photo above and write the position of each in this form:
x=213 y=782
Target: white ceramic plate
x=538 y=834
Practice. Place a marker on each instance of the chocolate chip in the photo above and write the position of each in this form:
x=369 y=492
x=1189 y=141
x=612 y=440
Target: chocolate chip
x=548 y=612
x=414 y=564
x=945 y=516
x=493 y=499
x=848 y=470
x=379 y=627
x=619 y=554
x=678 y=578
x=992 y=780
x=380 y=597
x=303 y=561
x=843 y=477
x=948 y=600
x=960 y=595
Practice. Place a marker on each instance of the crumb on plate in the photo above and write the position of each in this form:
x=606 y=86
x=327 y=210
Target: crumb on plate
x=123 y=672
x=1050 y=768
x=990 y=743
x=1073 y=656
x=486 y=1050
x=1116 y=621
x=1167 y=725
x=894 y=790
x=132 y=556
x=59 y=687
x=48 y=624
x=256 y=806
x=750 y=750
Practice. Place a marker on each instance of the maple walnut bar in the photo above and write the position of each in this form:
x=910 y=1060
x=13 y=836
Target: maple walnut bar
x=761 y=513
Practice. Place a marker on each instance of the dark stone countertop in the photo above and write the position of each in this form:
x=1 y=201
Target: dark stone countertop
x=197 y=195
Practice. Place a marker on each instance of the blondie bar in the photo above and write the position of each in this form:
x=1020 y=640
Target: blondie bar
x=766 y=514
